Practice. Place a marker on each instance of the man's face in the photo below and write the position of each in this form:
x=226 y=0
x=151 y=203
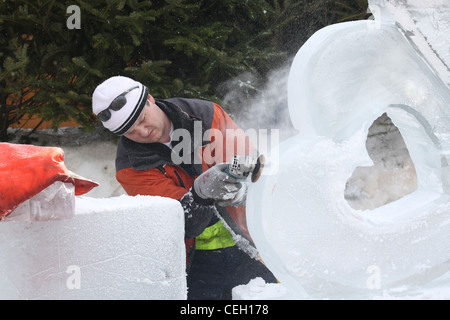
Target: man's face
x=152 y=126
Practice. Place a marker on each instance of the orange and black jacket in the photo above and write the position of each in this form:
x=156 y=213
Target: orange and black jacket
x=149 y=169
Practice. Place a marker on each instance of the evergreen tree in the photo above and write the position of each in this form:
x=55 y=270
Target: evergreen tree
x=176 y=47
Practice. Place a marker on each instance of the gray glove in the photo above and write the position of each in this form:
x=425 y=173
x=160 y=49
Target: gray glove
x=239 y=199
x=215 y=184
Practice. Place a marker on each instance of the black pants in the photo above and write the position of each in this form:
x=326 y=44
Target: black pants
x=214 y=273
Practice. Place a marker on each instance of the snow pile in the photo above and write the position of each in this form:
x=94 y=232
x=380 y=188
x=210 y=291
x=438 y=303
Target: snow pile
x=116 y=248
x=343 y=79
x=258 y=289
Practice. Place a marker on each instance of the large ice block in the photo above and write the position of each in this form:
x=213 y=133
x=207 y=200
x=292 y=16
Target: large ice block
x=342 y=79
x=115 y=248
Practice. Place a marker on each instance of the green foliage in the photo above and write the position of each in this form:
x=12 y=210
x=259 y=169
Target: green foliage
x=296 y=20
x=176 y=47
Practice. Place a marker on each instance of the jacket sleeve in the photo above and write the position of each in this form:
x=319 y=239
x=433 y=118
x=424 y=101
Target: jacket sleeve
x=197 y=212
x=150 y=182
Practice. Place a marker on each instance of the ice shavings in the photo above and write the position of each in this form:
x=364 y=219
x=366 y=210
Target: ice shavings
x=258 y=289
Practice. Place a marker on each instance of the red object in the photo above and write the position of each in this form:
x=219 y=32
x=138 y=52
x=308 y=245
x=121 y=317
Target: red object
x=26 y=170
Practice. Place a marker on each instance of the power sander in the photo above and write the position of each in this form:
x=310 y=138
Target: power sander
x=241 y=166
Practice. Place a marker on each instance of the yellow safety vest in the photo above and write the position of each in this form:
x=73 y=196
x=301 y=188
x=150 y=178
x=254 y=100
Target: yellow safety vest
x=214 y=237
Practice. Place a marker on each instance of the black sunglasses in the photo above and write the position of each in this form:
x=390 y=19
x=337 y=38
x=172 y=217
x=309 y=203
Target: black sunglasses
x=115 y=105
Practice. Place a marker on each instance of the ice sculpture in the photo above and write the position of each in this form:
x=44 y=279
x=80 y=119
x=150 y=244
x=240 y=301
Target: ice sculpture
x=342 y=79
x=115 y=248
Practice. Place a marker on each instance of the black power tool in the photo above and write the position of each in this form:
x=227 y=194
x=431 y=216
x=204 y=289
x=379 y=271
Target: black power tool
x=241 y=166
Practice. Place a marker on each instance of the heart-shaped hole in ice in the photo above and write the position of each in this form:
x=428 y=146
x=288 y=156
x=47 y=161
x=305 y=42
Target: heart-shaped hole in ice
x=393 y=174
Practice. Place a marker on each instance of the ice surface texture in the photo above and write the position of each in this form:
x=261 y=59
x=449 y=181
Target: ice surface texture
x=342 y=79
x=56 y=202
x=426 y=23
x=116 y=248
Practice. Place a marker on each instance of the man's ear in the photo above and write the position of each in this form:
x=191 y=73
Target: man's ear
x=150 y=97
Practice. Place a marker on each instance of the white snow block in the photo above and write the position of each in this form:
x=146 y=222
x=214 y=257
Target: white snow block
x=116 y=248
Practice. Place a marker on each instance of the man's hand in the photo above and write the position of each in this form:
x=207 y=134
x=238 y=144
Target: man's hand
x=215 y=184
x=239 y=199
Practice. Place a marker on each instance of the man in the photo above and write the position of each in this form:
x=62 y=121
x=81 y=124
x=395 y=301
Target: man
x=152 y=160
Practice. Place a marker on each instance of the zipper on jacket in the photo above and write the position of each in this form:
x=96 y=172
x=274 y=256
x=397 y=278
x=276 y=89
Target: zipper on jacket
x=179 y=179
x=162 y=169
